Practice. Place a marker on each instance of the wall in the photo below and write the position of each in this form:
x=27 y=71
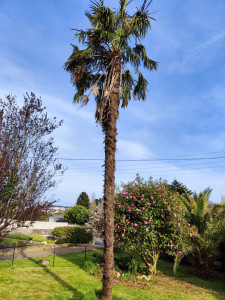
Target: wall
x=40 y=227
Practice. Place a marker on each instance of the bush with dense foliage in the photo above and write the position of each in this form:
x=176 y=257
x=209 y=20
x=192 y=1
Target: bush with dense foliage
x=59 y=232
x=149 y=220
x=78 y=235
x=77 y=214
x=209 y=232
x=83 y=200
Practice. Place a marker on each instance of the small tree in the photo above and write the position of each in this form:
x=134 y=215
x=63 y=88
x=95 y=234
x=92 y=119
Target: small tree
x=179 y=187
x=95 y=222
x=149 y=221
x=83 y=200
x=27 y=162
x=209 y=232
x=77 y=214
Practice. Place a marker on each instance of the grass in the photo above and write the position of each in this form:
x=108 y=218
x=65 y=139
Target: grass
x=36 y=238
x=67 y=280
x=11 y=242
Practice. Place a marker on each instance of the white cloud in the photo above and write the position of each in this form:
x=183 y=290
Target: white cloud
x=131 y=149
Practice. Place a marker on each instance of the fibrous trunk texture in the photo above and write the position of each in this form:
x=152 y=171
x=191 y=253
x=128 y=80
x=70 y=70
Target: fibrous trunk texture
x=110 y=116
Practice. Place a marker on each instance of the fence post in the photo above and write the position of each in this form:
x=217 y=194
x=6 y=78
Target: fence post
x=14 y=249
x=54 y=257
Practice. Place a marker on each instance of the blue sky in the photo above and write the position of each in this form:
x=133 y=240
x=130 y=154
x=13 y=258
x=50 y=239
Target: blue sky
x=183 y=116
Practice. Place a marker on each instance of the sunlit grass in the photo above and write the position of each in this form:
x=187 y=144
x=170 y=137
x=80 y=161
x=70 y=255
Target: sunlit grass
x=67 y=280
x=11 y=242
x=35 y=238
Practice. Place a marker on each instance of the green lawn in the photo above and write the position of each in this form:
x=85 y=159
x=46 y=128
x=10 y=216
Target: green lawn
x=11 y=242
x=29 y=280
x=36 y=238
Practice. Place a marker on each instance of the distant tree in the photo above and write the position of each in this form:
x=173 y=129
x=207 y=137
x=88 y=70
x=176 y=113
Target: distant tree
x=93 y=196
x=83 y=200
x=77 y=214
x=179 y=187
x=99 y=201
x=27 y=162
x=93 y=202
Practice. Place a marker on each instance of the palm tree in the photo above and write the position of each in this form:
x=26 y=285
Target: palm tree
x=101 y=69
x=209 y=229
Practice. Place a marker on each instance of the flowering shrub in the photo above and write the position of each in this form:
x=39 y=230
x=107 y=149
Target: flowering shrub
x=149 y=220
x=95 y=222
x=78 y=235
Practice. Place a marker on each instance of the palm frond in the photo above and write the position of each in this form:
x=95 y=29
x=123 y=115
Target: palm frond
x=140 y=22
x=202 y=200
x=140 y=88
x=110 y=32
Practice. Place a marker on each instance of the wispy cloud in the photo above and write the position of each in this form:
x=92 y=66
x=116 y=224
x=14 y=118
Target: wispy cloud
x=201 y=56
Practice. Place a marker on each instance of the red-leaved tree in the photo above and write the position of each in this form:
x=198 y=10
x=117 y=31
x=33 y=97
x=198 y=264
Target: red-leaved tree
x=27 y=162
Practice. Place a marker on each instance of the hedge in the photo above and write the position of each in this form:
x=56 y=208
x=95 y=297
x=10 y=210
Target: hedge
x=59 y=232
x=78 y=235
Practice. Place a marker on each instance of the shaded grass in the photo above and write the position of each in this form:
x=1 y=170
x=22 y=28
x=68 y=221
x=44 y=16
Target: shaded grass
x=184 y=275
x=28 y=280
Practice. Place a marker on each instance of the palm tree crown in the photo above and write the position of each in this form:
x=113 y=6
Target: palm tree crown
x=109 y=37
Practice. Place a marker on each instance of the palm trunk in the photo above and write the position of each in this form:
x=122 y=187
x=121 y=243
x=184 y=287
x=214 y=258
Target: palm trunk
x=110 y=130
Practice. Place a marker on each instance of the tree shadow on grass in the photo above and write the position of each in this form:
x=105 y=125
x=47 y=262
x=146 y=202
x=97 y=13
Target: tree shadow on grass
x=186 y=274
x=98 y=294
x=80 y=260
x=64 y=284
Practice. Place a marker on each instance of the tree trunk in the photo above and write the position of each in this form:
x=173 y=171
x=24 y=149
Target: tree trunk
x=110 y=130
x=151 y=261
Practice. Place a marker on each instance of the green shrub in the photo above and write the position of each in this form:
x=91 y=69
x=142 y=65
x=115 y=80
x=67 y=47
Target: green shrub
x=99 y=259
x=78 y=235
x=59 y=232
x=77 y=215
x=133 y=266
x=127 y=263
x=60 y=241
x=123 y=262
x=91 y=267
x=44 y=218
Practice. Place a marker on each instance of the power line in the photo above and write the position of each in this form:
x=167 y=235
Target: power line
x=144 y=166
x=137 y=160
